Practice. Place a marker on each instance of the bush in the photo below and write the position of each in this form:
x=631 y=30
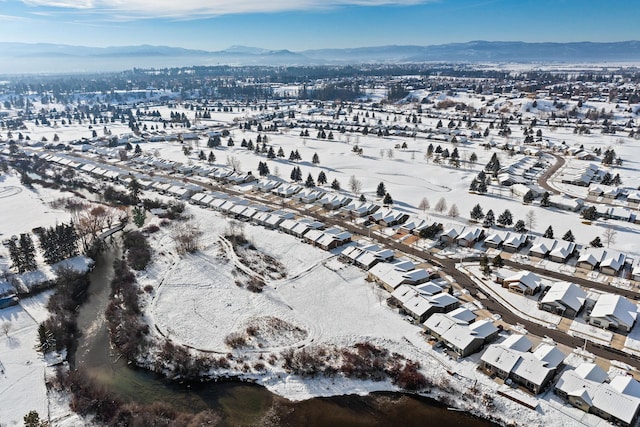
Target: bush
x=138 y=250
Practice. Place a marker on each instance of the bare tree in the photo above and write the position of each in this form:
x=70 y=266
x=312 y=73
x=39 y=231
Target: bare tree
x=6 y=327
x=453 y=211
x=355 y=185
x=186 y=238
x=234 y=163
x=530 y=219
x=424 y=204
x=441 y=206
x=609 y=235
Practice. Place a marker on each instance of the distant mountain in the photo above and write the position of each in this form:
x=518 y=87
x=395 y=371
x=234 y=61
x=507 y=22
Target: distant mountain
x=44 y=57
x=481 y=51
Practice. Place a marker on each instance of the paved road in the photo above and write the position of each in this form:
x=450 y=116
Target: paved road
x=542 y=180
x=448 y=266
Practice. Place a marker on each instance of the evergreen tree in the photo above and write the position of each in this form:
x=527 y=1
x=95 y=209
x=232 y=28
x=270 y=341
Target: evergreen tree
x=520 y=226
x=381 y=190
x=135 y=188
x=568 y=236
x=590 y=213
x=473 y=187
x=505 y=218
x=528 y=197
x=46 y=340
x=545 y=202
x=489 y=218
x=335 y=185
x=316 y=159
x=596 y=243
x=482 y=187
x=497 y=261
x=16 y=256
x=309 y=183
x=271 y=154
x=212 y=158
x=139 y=215
x=322 y=178
x=549 y=233
x=138 y=150
x=280 y=152
x=28 y=252
x=476 y=213
x=201 y=155
x=387 y=199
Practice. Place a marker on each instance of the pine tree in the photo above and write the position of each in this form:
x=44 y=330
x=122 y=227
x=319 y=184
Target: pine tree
x=520 y=226
x=309 y=183
x=505 y=218
x=489 y=218
x=387 y=199
x=590 y=213
x=381 y=190
x=212 y=158
x=473 y=187
x=528 y=197
x=568 y=236
x=335 y=185
x=315 y=160
x=139 y=216
x=280 y=152
x=322 y=178
x=271 y=154
x=596 y=243
x=549 y=233
x=497 y=261
x=476 y=213
x=46 y=340
x=545 y=202
x=16 y=256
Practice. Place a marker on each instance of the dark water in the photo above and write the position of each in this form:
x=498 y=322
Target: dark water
x=241 y=404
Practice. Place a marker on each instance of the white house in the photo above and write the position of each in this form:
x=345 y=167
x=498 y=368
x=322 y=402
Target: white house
x=614 y=312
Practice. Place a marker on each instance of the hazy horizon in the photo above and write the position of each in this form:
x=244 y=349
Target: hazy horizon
x=312 y=24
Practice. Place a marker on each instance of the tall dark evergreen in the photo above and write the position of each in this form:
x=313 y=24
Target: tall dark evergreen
x=381 y=190
x=309 y=183
x=322 y=178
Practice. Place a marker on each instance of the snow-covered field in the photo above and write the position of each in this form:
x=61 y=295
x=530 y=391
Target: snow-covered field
x=196 y=301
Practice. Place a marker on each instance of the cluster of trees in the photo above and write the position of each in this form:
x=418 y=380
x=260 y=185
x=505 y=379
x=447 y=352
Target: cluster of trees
x=22 y=253
x=59 y=242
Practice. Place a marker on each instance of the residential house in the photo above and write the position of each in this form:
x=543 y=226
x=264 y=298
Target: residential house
x=523 y=282
x=590 y=258
x=421 y=307
x=563 y=298
x=562 y=251
x=514 y=241
x=541 y=247
x=612 y=262
x=512 y=359
x=613 y=312
x=585 y=387
x=469 y=236
x=390 y=276
x=465 y=340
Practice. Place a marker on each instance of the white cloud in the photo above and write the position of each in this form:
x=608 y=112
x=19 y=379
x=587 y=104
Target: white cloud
x=204 y=8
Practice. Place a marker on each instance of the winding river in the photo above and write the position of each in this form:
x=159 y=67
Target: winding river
x=239 y=403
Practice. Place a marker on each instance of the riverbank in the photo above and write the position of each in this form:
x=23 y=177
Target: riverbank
x=195 y=302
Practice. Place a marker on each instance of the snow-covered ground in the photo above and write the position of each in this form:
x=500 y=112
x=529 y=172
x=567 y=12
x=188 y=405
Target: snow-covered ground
x=22 y=368
x=321 y=301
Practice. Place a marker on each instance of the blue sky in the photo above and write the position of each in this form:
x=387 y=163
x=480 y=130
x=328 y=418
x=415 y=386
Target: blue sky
x=310 y=24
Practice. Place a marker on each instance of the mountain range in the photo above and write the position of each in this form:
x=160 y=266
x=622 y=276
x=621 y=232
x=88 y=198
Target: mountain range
x=44 y=57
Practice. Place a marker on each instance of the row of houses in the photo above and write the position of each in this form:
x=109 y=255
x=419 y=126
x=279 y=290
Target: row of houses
x=589 y=388
x=514 y=360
